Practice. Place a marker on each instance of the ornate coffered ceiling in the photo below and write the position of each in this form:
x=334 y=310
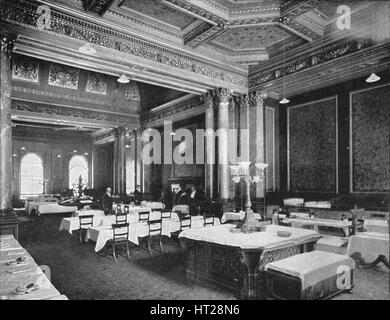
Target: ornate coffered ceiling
x=240 y=31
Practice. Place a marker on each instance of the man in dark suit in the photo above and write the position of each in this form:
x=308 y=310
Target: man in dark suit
x=193 y=201
x=179 y=196
x=137 y=195
x=107 y=202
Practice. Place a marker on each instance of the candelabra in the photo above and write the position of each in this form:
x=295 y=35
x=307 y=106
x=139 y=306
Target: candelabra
x=241 y=171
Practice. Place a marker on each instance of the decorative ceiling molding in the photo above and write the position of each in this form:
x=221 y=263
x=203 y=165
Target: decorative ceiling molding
x=40 y=109
x=24 y=13
x=97 y=6
x=181 y=110
x=336 y=66
x=316 y=57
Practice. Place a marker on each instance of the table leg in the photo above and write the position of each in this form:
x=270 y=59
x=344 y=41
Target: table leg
x=253 y=286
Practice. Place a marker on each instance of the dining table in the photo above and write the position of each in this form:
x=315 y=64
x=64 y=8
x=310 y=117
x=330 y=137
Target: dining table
x=103 y=233
x=15 y=275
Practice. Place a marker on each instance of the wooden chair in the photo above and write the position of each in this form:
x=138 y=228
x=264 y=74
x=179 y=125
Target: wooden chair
x=120 y=237
x=208 y=220
x=143 y=216
x=119 y=208
x=154 y=233
x=126 y=209
x=85 y=222
x=185 y=224
x=121 y=218
x=166 y=214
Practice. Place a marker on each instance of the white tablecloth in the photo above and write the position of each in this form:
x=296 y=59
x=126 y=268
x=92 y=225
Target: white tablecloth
x=268 y=239
x=96 y=213
x=234 y=216
x=312 y=267
x=101 y=234
x=48 y=208
x=12 y=277
x=73 y=223
x=316 y=222
x=373 y=225
x=370 y=245
x=152 y=205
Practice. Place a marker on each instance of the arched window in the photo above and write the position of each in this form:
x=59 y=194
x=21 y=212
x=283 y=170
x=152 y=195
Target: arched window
x=31 y=175
x=78 y=166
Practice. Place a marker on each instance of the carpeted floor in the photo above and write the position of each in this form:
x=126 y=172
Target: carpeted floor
x=79 y=273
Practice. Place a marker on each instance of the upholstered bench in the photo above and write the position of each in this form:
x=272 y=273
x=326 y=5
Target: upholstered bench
x=309 y=276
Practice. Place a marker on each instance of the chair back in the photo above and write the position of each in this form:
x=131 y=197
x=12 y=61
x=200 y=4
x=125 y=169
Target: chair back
x=208 y=220
x=126 y=209
x=86 y=221
x=119 y=208
x=185 y=222
x=143 y=216
x=121 y=218
x=166 y=214
x=120 y=232
x=155 y=228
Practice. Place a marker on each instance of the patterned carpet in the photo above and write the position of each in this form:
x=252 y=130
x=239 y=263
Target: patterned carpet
x=79 y=273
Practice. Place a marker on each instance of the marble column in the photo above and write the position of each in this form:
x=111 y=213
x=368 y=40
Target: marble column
x=233 y=143
x=223 y=143
x=122 y=160
x=210 y=146
x=244 y=129
x=259 y=136
x=7 y=41
x=115 y=185
x=136 y=166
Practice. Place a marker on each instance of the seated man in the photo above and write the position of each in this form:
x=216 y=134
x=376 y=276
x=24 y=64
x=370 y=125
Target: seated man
x=107 y=202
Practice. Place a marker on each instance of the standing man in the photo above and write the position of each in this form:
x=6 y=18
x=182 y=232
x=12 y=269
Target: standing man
x=193 y=201
x=179 y=195
x=137 y=195
x=107 y=202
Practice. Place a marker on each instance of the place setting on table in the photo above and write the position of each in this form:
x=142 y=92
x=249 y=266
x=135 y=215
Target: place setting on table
x=20 y=277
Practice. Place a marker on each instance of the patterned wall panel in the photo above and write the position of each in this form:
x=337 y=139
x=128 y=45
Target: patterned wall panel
x=370 y=140
x=312 y=146
x=96 y=83
x=63 y=76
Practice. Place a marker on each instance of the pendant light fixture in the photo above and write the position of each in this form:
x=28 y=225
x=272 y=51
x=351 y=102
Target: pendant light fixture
x=373 y=77
x=284 y=99
x=123 y=79
x=87 y=49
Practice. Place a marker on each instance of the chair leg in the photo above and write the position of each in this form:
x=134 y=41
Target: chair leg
x=127 y=250
x=161 y=246
x=150 y=249
x=113 y=252
x=80 y=236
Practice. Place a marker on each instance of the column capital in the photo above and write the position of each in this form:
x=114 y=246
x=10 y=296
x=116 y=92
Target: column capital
x=209 y=99
x=258 y=98
x=244 y=103
x=224 y=95
x=7 y=42
x=232 y=104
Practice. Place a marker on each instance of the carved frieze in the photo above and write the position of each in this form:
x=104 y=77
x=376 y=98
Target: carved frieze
x=319 y=56
x=18 y=105
x=63 y=76
x=96 y=83
x=179 y=108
